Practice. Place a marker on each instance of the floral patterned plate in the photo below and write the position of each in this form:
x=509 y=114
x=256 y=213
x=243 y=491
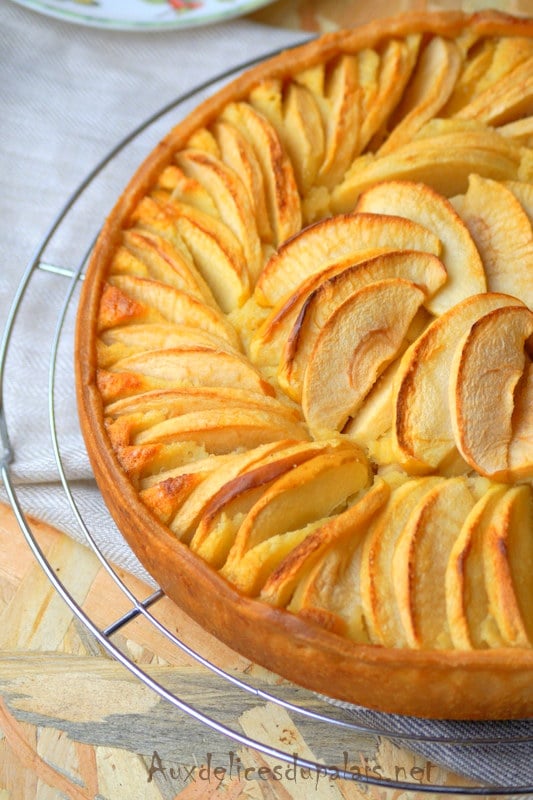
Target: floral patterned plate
x=144 y=15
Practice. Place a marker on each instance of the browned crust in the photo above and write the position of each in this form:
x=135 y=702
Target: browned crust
x=492 y=684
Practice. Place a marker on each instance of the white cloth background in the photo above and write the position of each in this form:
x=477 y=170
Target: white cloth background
x=67 y=95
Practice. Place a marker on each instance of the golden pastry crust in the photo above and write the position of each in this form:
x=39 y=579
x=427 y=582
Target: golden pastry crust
x=269 y=510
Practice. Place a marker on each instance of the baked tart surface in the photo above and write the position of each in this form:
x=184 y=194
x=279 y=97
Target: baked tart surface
x=304 y=365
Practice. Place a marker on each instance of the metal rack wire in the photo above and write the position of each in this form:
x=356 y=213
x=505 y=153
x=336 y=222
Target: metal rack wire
x=321 y=714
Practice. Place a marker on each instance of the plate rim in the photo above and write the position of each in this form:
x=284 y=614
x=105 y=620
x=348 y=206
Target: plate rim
x=52 y=9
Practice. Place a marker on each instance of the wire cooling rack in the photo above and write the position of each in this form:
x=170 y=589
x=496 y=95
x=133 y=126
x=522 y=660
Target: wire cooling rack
x=104 y=182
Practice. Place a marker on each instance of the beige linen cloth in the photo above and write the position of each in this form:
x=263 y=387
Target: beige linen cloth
x=68 y=94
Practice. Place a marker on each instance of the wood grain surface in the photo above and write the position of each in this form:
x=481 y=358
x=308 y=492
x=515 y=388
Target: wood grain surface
x=76 y=723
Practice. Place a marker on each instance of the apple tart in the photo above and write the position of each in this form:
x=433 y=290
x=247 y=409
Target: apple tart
x=304 y=365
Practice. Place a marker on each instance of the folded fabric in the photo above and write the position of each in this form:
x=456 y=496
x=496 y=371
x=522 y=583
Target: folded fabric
x=482 y=751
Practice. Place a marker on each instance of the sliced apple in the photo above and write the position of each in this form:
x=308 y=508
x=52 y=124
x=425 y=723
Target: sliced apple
x=119 y=343
x=474 y=69
x=114 y=386
x=423 y=269
x=354 y=347
x=503 y=235
x=420 y=560
x=259 y=562
x=222 y=431
x=161 y=417
x=524 y=194
x=522 y=422
x=373 y=420
x=216 y=250
x=490 y=60
x=283 y=199
x=195 y=366
x=310 y=607
x=203 y=416
x=231 y=199
x=506 y=100
x=369 y=64
x=341 y=113
x=188 y=516
x=304 y=137
x=158 y=336
x=308 y=151
x=382 y=91
x=442 y=161
x=237 y=152
x=186 y=190
x=158 y=213
x=165 y=497
x=315 y=489
x=525 y=171
x=272 y=332
x=377 y=591
x=469 y=619
x=147 y=255
x=289 y=572
x=216 y=532
x=423 y=436
x=118 y=308
x=175 y=306
x=203 y=139
x=204 y=463
x=326 y=566
x=172 y=402
x=330 y=100
x=429 y=88
x=520 y=131
x=267 y=98
x=167 y=216
x=472 y=129
x=145 y=465
x=508 y=561
x=313 y=78
x=123 y=431
x=336 y=239
x=485 y=373
x=223 y=267
x=509 y=52
x=420 y=203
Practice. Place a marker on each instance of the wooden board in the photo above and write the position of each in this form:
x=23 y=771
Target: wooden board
x=75 y=723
